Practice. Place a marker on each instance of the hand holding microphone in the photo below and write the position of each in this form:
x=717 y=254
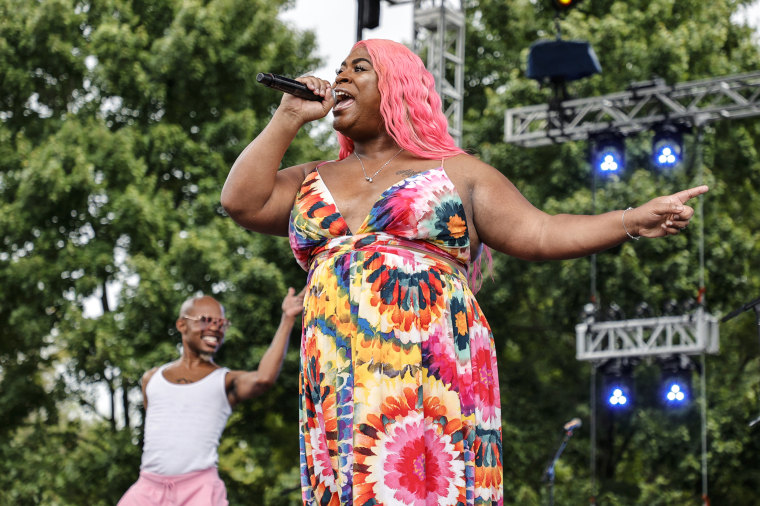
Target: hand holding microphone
x=287 y=85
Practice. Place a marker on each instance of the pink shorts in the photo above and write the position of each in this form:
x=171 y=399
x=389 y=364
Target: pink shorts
x=197 y=488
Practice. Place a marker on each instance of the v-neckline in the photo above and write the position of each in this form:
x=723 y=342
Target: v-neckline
x=380 y=197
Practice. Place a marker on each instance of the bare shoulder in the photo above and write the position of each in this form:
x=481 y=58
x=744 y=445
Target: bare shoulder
x=305 y=169
x=468 y=166
x=291 y=178
x=147 y=376
x=467 y=171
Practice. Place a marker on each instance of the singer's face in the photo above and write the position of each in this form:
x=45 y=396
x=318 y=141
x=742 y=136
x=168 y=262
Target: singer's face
x=357 y=100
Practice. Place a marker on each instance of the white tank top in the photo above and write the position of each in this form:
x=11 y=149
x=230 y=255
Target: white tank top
x=184 y=423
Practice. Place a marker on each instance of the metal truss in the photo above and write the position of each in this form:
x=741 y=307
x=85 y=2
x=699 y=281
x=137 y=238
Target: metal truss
x=691 y=334
x=439 y=40
x=636 y=109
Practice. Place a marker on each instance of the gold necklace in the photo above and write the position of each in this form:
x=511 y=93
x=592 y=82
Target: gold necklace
x=370 y=178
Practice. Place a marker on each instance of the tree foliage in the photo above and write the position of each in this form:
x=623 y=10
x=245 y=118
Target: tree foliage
x=119 y=120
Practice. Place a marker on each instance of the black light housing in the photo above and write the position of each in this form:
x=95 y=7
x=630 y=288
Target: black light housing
x=369 y=13
x=562 y=60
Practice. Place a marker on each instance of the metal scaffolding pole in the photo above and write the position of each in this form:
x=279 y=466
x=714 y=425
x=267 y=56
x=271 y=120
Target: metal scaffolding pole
x=439 y=41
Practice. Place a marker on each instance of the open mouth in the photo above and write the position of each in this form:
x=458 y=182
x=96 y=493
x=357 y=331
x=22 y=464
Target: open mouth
x=343 y=100
x=210 y=340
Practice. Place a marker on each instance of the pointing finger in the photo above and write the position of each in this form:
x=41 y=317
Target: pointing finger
x=684 y=195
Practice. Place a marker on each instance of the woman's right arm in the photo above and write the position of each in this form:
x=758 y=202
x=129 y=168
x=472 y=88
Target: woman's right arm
x=256 y=194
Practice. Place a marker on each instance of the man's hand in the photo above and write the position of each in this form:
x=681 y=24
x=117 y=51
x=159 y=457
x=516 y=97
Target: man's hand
x=292 y=304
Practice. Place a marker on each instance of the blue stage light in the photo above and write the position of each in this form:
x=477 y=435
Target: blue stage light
x=608 y=153
x=667 y=146
x=676 y=393
x=609 y=161
x=618 y=397
x=676 y=380
x=617 y=391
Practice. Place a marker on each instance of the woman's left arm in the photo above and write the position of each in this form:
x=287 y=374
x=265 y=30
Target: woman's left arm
x=505 y=220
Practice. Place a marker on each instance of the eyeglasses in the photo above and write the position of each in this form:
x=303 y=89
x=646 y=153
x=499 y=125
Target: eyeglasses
x=205 y=321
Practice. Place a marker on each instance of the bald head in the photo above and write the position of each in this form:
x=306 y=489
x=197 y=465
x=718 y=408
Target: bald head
x=191 y=305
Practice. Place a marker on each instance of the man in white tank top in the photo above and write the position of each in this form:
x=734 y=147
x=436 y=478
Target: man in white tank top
x=187 y=403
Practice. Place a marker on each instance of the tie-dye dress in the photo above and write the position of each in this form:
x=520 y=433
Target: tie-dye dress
x=398 y=395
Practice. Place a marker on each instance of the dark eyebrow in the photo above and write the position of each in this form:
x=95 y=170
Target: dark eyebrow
x=355 y=61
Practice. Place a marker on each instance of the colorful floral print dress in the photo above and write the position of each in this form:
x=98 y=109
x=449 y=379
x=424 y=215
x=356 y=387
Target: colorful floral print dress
x=398 y=395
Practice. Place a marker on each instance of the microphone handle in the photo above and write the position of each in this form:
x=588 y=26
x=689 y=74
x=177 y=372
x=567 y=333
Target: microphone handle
x=287 y=85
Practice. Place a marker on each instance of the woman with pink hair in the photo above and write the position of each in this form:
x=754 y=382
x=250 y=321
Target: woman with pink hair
x=398 y=394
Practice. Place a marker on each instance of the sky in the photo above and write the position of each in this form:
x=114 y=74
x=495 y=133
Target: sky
x=334 y=22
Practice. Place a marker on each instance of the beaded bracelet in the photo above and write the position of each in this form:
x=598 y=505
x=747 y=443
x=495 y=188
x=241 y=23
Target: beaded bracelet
x=634 y=237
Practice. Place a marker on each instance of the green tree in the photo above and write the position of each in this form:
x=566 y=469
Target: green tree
x=119 y=120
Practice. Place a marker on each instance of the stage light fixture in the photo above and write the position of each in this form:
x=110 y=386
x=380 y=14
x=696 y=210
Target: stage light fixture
x=588 y=313
x=613 y=313
x=644 y=311
x=675 y=393
x=561 y=61
x=618 y=395
x=670 y=307
x=369 y=13
x=667 y=145
x=563 y=5
x=617 y=384
x=675 y=381
x=608 y=153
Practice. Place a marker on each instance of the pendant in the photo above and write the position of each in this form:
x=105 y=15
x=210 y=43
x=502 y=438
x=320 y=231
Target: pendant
x=369 y=179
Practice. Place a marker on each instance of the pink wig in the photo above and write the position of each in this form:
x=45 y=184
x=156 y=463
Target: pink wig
x=409 y=103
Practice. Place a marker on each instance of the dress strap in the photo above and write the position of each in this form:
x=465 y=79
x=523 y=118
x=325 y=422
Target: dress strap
x=320 y=164
x=324 y=163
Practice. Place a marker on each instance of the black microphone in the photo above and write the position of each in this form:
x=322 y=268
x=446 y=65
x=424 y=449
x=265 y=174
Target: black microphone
x=287 y=85
x=572 y=425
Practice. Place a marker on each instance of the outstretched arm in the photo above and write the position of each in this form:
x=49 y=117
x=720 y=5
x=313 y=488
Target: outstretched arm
x=256 y=194
x=506 y=221
x=243 y=385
